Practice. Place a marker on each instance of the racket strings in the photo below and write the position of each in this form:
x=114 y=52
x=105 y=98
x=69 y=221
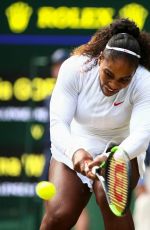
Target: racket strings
x=117 y=181
x=119 y=190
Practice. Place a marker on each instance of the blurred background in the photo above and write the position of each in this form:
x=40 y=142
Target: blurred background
x=30 y=34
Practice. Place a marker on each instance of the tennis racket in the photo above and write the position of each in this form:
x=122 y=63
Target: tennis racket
x=116 y=181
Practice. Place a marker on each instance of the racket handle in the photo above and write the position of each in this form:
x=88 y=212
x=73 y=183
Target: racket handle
x=95 y=169
x=106 y=154
x=102 y=165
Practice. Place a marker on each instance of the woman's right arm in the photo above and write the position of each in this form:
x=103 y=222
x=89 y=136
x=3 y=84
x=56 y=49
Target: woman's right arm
x=63 y=106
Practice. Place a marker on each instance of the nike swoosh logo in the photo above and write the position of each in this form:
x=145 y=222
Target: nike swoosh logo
x=118 y=103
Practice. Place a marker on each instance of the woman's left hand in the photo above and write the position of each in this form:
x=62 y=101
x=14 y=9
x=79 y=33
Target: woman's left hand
x=96 y=162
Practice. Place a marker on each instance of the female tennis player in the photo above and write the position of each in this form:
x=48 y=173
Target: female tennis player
x=102 y=93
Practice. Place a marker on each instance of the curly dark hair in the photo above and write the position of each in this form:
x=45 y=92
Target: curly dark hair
x=122 y=33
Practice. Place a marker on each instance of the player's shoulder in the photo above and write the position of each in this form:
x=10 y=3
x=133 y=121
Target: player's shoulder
x=75 y=61
x=142 y=69
x=142 y=73
x=70 y=71
x=71 y=67
x=142 y=77
x=140 y=82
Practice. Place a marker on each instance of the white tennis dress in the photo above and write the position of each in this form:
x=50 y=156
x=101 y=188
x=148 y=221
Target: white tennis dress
x=81 y=116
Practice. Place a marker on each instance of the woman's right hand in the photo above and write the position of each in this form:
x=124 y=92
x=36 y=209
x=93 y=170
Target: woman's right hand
x=80 y=160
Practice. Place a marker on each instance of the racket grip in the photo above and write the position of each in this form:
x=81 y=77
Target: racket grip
x=106 y=154
x=102 y=165
x=95 y=169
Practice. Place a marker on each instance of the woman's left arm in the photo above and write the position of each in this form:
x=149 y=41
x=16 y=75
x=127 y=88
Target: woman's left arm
x=138 y=140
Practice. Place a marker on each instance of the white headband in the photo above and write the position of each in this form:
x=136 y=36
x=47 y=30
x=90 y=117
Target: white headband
x=123 y=50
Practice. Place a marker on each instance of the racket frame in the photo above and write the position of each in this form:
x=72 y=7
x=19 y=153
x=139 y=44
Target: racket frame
x=104 y=181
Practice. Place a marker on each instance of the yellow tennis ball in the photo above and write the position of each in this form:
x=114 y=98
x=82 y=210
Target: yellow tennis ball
x=45 y=190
